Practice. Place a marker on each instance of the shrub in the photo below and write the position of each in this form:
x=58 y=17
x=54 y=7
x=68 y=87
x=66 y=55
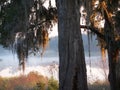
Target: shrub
x=52 y=84
x=32 y=81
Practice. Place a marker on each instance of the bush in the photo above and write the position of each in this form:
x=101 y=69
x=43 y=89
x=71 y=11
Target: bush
x=19 y=88
x=53 y=84
x=40 y=86
x=32 y=81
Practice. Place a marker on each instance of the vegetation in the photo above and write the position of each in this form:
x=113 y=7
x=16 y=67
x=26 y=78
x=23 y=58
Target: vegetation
x=53 y=84
x=99 y=86
x=108 y=35
x=32 y=81
x=24 y=27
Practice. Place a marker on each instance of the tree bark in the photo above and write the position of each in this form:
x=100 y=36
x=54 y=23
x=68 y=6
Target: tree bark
x=118 y=74
x=114 y=66
x=113 y=56
x=72 y=69
x=117 y=26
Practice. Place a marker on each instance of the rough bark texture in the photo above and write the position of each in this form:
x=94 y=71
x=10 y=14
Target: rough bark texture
x=118 y=61
x=114 y=62
x=114 y=67
x=72 y=69
x=118 y=74
x=112 y=75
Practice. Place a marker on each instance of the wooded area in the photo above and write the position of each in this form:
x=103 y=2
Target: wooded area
x=24 y=27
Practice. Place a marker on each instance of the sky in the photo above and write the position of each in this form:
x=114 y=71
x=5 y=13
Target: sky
x=54 y=31
x=46 y=4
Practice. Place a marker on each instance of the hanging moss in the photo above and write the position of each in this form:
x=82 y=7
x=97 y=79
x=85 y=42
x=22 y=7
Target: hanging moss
x=25 y=26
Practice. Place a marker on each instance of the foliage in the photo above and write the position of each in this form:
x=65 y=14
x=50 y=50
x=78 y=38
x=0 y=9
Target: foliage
x=40 y=86
x=102 y=12
x=30 y=82
x=108 y=10
x=25 y=26
x=52 y=84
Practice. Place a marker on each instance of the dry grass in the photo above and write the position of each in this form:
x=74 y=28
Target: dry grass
x=98 y=85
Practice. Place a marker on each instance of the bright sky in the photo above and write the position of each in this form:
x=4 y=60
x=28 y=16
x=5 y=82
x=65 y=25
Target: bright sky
x=46 y=4
x=55 y=28
x=54 y=31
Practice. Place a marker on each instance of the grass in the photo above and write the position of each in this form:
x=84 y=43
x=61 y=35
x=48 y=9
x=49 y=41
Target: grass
x=98 y=85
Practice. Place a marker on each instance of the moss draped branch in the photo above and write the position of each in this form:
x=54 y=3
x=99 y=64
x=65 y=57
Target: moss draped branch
x=94 y=30
x=100 y=35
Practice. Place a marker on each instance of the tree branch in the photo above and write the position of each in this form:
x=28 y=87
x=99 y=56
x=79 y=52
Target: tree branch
x=92 y=29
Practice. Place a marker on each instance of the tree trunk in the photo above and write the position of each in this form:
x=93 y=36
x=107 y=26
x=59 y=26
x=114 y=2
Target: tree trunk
x=114 y=62
x=117 y=26
x=118 y=74
x=114 y=67
x=72 y=69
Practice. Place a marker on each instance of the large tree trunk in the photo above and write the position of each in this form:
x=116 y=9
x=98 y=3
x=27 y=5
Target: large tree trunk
x=72 y=69
x=117 y=26
x=114 y=67
x=118 y=74
x=114 y=60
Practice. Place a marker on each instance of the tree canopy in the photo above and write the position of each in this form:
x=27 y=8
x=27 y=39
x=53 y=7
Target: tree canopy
x=25 y=25
x=108 y=35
